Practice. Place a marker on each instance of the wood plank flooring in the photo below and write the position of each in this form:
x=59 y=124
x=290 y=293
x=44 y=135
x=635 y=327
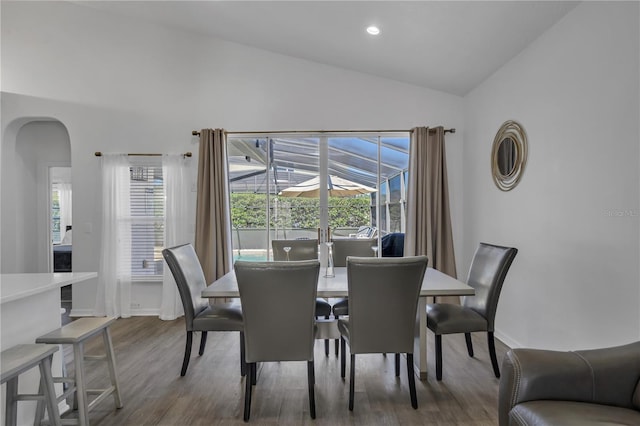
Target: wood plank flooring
x=149 y=356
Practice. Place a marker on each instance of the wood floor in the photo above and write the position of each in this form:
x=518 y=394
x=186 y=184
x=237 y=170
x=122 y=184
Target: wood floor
x=149 y=356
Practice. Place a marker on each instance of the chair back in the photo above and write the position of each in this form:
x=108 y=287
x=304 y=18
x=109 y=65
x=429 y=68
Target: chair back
x=358 y=247
x=392 y=245
x=272 y=333
x=187 y=272
x=486 y=275
x=383 y=298
x=300 y=249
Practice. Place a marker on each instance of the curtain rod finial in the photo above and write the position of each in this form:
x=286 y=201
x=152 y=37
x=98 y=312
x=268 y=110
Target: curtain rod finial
x=98 y=154
x=195 y=133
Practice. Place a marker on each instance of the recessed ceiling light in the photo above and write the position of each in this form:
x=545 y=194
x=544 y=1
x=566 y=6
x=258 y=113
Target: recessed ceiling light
x=373 y=30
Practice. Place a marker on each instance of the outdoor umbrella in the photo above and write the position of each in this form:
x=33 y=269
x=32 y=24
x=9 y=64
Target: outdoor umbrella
x=338 y=187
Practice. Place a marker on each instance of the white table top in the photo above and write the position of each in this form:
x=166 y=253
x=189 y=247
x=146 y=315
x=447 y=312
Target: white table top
x=435 y=283
x=18 y=286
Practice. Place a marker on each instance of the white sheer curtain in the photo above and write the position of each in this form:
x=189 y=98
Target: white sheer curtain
x=176 y=229
x=114 y=282
x=64 y=192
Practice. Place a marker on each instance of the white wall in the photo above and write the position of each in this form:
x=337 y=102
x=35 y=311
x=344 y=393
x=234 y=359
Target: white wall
x=25 y=238
x=575 y=215
x=121 y=85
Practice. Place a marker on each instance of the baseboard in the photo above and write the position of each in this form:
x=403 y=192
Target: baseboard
x=145 y=312
x=82 y=313
x=508 y=341
x=137 y=312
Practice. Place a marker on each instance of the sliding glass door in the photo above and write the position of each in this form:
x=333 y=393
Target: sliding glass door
x=314 y=186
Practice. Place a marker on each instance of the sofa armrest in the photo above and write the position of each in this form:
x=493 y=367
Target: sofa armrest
x=607 y=376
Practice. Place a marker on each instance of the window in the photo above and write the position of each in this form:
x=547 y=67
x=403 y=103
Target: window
x=275 y=191
x=60 y=197
x=147 y=221
x=56 y=235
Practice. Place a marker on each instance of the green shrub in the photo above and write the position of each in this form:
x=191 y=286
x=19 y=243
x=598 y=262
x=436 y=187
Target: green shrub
x=248 y=211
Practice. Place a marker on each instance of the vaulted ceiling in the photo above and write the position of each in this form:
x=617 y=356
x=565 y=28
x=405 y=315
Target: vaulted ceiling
x=451 y=46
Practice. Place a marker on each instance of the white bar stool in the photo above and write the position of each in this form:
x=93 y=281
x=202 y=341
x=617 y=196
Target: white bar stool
x=76 y=333
x=17 y=360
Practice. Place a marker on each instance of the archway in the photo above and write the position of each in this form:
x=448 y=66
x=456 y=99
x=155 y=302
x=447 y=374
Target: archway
x=32 y=146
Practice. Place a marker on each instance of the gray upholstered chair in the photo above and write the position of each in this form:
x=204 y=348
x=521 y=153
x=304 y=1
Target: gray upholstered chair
x=343 y=247
x=476 y=313
x=581 y=388
x=302 y=250
x=358 y=247
x=198 y=314
x=299 y=249
x=381 y=285
x=272 y=333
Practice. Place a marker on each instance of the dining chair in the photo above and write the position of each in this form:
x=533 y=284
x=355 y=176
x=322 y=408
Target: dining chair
x=199 y=315
x=358 y=247
x=343 y=247
x=476 y=313
x=271 y=333
x=286 y=250
x=376 y=285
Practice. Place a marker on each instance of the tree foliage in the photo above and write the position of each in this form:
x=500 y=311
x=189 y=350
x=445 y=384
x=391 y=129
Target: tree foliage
x=248 y=211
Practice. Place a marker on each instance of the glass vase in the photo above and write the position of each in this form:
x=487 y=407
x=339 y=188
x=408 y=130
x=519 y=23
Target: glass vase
x=330 y=272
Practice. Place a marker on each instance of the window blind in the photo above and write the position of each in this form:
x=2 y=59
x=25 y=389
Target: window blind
x=147 y=221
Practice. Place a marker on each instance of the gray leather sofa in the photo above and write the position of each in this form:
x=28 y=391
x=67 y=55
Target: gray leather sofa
x=599 y=386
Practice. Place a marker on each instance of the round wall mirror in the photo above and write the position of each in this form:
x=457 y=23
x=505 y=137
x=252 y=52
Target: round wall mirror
x=509 y=155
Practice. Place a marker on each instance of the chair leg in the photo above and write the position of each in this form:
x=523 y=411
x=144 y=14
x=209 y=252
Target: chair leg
x=40 y=405
x=326 y=341
x=247 y=391
x=352 y=377
x=343 y=357
x=412 y=381
x=311 y=379
x=467 y=338
x=492 y=354
x=438 y=357
x=11 y=413
x=46 y=381
x=337 y=340
x=187 y=353
x=81 y=384
x=397 y=365
x=203 y=343
x=111 y=364
x=243 y=363
x=254 y=373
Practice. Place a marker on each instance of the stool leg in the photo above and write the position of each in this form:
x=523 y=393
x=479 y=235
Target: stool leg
x=111 y=361
x=49 y=391
x=81 y=388
x=11 y=410
x=37 y=420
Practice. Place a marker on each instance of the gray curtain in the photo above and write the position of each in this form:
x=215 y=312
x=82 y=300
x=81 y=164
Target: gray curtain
x=428 y=230
x=213 y=217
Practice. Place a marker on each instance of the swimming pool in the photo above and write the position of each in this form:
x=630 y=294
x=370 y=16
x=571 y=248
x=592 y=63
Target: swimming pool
x=250 y=256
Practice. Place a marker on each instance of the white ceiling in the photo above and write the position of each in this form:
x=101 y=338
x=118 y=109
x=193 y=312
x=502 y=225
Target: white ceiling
x=450 y=46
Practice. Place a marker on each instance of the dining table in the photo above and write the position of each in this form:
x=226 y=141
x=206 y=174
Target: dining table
x=434 y=284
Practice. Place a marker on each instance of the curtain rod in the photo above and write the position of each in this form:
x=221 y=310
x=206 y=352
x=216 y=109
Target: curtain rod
x=452 y=130
x=131 y=154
